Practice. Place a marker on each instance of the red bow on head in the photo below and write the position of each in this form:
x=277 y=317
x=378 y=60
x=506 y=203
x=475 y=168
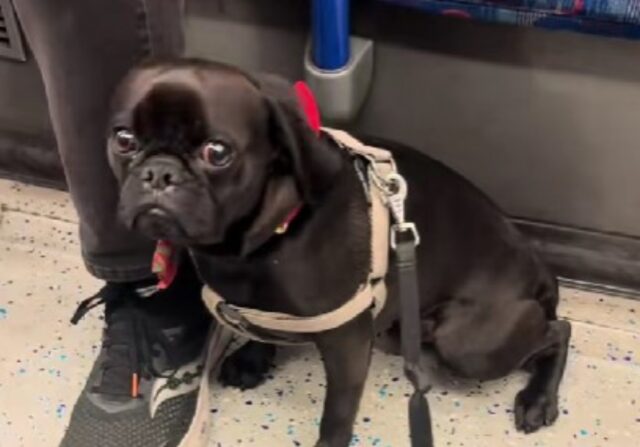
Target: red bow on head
x=309 y=105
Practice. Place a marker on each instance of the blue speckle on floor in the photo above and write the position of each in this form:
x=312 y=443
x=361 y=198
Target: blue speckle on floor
x=584 y=432
x=3 y=313
x=60 y=410
x=382 y=392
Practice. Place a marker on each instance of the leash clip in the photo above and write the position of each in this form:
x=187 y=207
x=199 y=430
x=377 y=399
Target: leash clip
x=403 y=228
x=396 y=195
x=396 y=191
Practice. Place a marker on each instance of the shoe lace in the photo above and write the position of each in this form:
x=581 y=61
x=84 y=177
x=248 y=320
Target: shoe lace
x=128 y=340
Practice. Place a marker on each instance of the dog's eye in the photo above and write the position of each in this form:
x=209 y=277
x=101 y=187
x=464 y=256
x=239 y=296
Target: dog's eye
x=126 y=142
x=217 y=154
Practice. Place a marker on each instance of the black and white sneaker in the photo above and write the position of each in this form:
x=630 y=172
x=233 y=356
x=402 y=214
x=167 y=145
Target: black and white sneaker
x=149 y=386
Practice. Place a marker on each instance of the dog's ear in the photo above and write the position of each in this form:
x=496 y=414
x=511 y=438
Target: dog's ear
x=312 y=163
x=305 y=167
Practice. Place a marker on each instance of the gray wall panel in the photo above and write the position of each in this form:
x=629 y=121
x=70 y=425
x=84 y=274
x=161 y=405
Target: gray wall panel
x=546 y=123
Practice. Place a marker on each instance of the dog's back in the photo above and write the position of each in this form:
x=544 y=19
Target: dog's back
x=467 y=239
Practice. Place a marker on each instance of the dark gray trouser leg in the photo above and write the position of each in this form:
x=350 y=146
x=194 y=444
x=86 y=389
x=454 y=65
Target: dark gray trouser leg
x=83 y=48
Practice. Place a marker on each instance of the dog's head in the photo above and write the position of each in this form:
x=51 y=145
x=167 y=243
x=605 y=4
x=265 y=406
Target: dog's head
x=201 y=149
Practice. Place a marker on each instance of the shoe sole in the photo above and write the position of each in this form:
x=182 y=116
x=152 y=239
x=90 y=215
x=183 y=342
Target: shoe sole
x=198 y=433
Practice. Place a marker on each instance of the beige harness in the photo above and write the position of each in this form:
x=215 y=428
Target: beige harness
x=276 y=327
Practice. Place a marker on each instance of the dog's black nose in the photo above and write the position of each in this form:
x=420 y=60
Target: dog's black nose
x=161 y=175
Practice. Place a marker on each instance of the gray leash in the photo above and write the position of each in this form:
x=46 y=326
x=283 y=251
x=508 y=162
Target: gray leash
x=404 y=240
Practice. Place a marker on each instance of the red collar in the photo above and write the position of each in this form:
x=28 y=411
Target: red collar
x=284 y=226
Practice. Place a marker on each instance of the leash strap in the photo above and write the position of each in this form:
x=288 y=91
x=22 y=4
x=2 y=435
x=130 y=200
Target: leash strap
x=419 y=414
x=404 y=240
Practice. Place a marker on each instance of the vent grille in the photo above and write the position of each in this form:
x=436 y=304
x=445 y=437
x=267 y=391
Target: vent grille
x=11 y=46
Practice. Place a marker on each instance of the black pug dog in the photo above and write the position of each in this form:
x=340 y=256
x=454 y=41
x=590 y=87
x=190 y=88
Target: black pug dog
x=213 y=159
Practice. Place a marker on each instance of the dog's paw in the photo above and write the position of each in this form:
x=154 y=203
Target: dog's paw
x=248 y=366
x=534 y=410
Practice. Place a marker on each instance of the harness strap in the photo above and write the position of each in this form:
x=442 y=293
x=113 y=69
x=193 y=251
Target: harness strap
x=404 y=243
x=381 y=164
x=242 y=318
x=352 y=144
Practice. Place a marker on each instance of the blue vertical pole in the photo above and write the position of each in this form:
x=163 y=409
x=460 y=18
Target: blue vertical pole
x=330 y=34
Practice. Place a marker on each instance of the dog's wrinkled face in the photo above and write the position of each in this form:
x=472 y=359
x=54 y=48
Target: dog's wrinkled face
x=198 y=148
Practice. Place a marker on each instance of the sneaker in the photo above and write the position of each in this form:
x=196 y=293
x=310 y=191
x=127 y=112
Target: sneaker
x=149 y=386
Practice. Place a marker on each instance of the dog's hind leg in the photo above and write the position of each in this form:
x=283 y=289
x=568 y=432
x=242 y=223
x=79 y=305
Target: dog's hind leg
x=489 y=340
x=248 y=367
x=537 y=404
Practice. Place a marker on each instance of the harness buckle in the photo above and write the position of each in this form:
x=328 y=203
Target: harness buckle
x=233 y=317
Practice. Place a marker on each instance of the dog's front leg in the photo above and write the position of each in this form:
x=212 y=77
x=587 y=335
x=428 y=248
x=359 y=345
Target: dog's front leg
x=346 y=354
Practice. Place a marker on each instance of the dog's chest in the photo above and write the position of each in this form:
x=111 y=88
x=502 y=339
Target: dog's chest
x=316 y=266
x=303 y=278
x=239 y=282
x=273 y=283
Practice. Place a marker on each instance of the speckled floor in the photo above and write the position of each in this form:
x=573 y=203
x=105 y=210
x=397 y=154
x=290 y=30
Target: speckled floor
x=44 y=361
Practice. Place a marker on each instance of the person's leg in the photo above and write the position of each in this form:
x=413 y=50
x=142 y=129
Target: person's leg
x=83 y=48
x=145 y=389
